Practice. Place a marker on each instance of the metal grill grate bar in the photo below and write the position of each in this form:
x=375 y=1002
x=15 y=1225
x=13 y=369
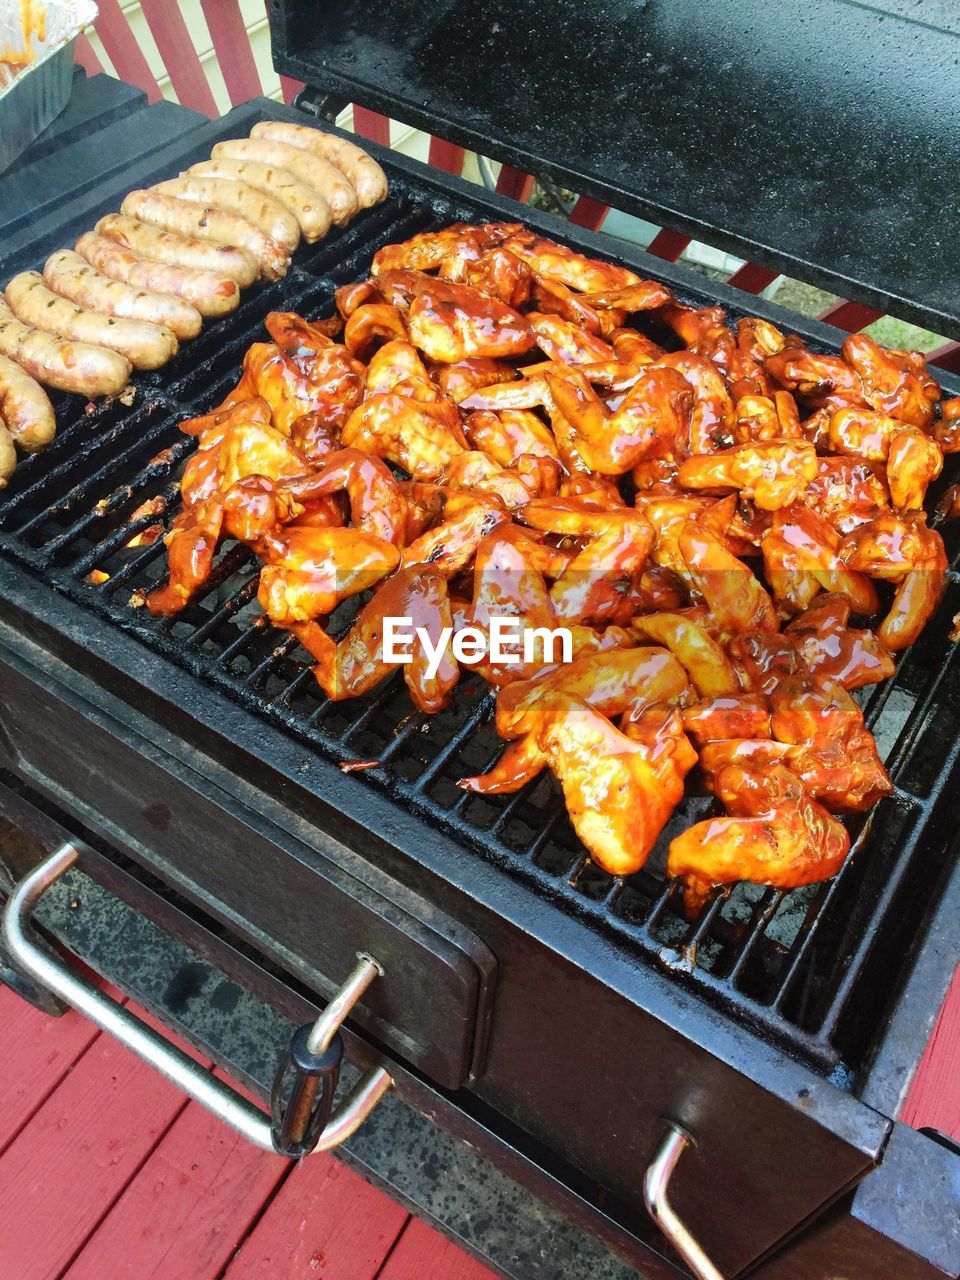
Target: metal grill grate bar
x=763 y=913
x=481 y=712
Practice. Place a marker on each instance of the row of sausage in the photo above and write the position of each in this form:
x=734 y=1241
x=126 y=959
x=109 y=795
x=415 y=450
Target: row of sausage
x=144 y=279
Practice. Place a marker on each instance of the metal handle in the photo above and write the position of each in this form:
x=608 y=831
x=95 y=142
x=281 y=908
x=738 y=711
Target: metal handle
x=656 y=1183
x=243 y=1116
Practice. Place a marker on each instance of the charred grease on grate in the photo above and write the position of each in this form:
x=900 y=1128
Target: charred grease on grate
x=811 y=968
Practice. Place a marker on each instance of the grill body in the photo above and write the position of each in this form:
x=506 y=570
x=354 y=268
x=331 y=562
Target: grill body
x=578 y=1009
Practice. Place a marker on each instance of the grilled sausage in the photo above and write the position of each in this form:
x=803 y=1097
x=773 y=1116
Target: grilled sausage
x=207 y=223
x=314 y=170
x=180 y=251
x=211 y=294
x=8 y=455
x=25 y=407
x=264 y=211
x=69 y=366
x=72 y=277
x=307 y=205
x=361 y=171
x=146 y=346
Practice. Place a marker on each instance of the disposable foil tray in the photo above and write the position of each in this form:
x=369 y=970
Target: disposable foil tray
x=38 y=92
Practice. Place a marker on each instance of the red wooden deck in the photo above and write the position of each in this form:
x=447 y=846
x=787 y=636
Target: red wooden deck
x=107 y=1173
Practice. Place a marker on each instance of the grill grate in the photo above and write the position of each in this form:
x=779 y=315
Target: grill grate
x=789 y=964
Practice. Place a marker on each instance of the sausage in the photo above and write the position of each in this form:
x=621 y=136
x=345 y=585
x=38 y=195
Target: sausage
x=263 y=210
x=211 y=294
x=307 y=205
x=180 y=251
x=8 y=455
x=207 y=223
x=314 y=170
x=69 y=366
x=361 y=170
x=25 y=408
x=73 y=277
x=146 y=346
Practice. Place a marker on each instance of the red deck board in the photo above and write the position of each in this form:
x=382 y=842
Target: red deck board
x=89 y=1138
x=946 y=357
x=424 y=1254
x=290 y=88
x=187 y=1209
x=934 y=1097
x=325 y=1222
x=77 y=1154
x=86 y=56
x=36 y=1052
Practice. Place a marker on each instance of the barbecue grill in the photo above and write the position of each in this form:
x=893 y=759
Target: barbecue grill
x=528 y=998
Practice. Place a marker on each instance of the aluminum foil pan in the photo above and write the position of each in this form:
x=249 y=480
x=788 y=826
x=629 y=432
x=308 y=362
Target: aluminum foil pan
x=41 y=35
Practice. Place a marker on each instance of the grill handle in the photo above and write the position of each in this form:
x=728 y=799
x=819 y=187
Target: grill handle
x=656 y=1183
x=219 y=1098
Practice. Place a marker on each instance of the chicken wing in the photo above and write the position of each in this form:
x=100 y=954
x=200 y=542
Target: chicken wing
x=900 y=548
x=453 y=322
x=377 y=504
x=599 y=583
x=421 y=437
x=647 y=423
x=510 y=435
x=308 y=571
x=761 y=418
x=831 y=648
x=327 y=382
x=555 y=262
x=773 y=474
x=711 y=421
x=833 y=752
x=895 y=382
x=736 y=600
x=563 y=341
x=709 y=669
x=241 y=447
x=619 y=790
x=913 y=459
x=455 y=247
x=776 y=834
x=820 y=381
x=802 y=553
x=356 y=664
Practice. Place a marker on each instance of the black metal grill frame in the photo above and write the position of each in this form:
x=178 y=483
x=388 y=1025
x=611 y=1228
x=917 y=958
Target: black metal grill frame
x=819 y=992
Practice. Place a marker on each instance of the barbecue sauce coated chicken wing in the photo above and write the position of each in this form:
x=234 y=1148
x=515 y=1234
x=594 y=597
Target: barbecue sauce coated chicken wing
x=619 y=790
x=494 y=427
x=775 y=833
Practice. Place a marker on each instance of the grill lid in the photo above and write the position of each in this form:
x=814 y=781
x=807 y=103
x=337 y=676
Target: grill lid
x=822 y=139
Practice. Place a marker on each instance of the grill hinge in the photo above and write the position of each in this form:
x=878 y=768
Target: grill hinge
x=323 y=106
